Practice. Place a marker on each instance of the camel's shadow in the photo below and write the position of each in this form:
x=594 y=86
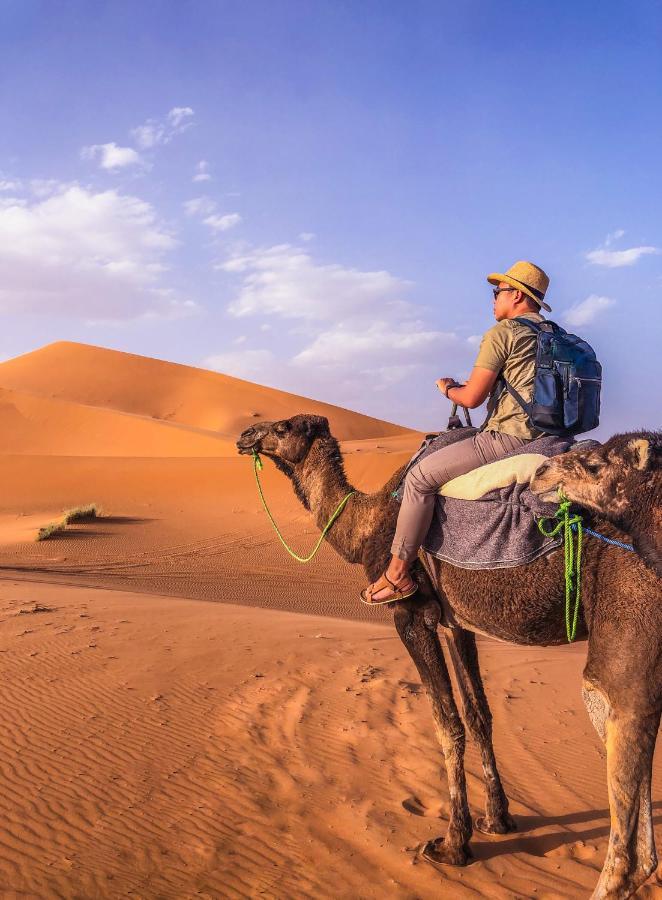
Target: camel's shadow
x=542 y=844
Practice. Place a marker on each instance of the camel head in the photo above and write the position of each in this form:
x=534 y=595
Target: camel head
x=611 y=479
x=287 y=441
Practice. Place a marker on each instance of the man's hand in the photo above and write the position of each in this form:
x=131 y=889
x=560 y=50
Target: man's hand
x=471 y=394
x=444 y=384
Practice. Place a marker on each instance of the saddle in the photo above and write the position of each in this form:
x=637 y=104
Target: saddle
x=487 y=518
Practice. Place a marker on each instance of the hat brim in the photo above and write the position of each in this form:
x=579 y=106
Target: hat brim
x=496 y=278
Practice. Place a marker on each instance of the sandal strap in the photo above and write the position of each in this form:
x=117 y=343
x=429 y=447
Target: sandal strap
x=381 y=583
x=397 y=593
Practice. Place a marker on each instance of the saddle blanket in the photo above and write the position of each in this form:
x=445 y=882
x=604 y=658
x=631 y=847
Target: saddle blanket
x=486 y=519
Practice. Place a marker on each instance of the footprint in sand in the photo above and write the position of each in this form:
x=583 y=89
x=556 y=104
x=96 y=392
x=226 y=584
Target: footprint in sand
x=412 y=687
x=577 y=850
x=369 y=673
x=418 y=807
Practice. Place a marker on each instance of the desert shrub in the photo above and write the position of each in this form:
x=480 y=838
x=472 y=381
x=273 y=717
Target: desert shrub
x=47 y=531
x=77 y=514
x=81 y=513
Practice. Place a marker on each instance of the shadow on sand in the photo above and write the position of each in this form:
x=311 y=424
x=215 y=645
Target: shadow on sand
x=542 y=844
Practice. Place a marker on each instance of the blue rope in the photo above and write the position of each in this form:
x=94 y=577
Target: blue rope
x=607 y=540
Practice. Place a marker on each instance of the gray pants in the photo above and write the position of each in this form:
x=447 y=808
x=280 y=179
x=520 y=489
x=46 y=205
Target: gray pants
x=426 y=477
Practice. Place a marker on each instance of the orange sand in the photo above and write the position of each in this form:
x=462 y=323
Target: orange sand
x=154 y=744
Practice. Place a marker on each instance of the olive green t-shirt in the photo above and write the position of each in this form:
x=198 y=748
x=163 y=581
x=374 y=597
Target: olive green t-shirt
x=510 y=349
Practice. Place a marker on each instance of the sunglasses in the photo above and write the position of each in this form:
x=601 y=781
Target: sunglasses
x=497 y=291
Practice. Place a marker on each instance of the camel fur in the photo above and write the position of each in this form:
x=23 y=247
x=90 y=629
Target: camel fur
x=620 y=618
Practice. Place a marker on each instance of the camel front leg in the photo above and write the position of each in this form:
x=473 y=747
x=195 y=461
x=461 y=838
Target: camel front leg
x=416 y=623
x=631 y=858
x=478 y=719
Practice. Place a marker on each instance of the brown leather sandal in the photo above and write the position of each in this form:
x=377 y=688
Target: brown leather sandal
x=394 y=594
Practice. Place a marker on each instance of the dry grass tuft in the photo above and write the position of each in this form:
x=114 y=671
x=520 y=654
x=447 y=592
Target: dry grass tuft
x=81 y=514
x=77 y=514
x=47 y=531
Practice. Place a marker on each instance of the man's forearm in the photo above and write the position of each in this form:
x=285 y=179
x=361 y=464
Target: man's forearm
x=474 y=392
x=463 y=396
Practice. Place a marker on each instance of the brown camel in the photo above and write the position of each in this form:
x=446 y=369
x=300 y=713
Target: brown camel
x=621 y=619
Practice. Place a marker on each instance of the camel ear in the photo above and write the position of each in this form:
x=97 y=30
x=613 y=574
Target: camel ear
x=641 y=452
x=316 y=425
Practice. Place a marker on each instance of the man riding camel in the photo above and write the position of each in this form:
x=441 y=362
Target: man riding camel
x=508 y=349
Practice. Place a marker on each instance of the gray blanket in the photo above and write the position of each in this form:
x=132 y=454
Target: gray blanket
x=498 y=531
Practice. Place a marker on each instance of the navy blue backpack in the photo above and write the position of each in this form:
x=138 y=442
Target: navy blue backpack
x=566 y=386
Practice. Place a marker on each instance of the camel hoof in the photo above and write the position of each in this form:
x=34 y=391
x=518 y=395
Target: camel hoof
x=438 y=853
x=505 y=825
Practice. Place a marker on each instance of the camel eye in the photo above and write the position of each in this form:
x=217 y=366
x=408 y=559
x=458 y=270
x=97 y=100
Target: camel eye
x=593 y=468
x=281 y=429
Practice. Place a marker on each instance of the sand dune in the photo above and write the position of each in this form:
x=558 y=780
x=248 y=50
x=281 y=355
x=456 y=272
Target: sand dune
x=161 y=748
x=189 y=527
x=35 y=425
x=148 y=387
x=187 y=712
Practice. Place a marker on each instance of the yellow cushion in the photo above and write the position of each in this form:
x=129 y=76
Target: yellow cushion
x=473 y=485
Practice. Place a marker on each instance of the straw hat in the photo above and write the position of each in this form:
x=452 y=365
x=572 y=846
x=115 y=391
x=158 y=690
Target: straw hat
x=525 y=277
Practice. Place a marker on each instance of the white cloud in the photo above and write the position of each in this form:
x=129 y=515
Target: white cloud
x=351 y=332
x=307 y=236
x=223 y=223
x=8 y=202
x=615 y=259
x=45 y=187
x=474 y=340
x=178 y=115
x=112 y=157
x=347 y=367
x=368 y=348
x=94 y=255
x=9 y=184
x=284 y=280
x=242 y=363
x=156 y=132
x=199 y=206
x=205 y=206
x=586 y=311
x=614 y=236
x=202 y=171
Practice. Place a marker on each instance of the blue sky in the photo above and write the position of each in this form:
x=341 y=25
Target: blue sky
x=310 y=194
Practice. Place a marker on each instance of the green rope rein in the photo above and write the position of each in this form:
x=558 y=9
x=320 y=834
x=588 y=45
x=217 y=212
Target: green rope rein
x=257 y=465
x=573 y=560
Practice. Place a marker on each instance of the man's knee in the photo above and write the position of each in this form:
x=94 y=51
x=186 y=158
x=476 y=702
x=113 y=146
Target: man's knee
x=423 y=482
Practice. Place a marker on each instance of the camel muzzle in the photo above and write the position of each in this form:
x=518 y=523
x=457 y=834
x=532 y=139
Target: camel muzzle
x=544 y=483
x=249 y=441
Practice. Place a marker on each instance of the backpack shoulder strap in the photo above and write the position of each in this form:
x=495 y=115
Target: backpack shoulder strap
x=545 y=325
x=502 y=385
x=535 y=325
x=527 y=407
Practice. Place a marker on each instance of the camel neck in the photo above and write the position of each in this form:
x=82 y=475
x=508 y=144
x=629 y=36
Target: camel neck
x=644 y=526
x=320 y=480
x=320 y=484
x=645 y=529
